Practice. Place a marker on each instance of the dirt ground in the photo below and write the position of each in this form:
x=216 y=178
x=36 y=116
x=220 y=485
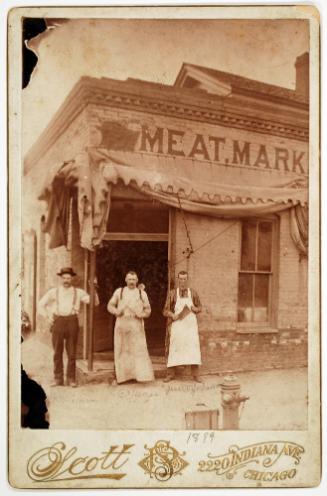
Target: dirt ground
x=278 y=399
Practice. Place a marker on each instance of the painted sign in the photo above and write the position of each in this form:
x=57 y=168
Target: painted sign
x=222 y=148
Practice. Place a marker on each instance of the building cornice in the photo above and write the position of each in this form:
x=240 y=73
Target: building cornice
x=168 y=101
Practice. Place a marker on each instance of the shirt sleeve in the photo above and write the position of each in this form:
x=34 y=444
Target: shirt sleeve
x=196 y=301
x=167 y=307
x=47 y=299
x=146 y=304
x=84 y=296
x=113 y=302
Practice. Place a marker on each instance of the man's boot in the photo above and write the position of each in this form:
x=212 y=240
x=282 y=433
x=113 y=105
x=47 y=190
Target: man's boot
x=56 y=383
x=71 y=383
x=170 y=375
x=195 y=373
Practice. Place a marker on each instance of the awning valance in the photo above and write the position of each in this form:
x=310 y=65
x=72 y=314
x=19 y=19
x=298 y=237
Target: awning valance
x=170 y=187
x=95 y=171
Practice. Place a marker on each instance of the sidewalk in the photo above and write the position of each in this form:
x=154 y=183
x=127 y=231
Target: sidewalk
x=278 y=399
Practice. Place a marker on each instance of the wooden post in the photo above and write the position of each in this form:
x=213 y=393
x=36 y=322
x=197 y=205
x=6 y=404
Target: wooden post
x=171 y=248
x=91 y=311
x=85 y=312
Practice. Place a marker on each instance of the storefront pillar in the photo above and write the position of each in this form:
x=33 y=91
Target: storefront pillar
x=85 y=310
x=90 y=339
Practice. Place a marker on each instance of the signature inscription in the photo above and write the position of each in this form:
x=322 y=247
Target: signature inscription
x=61 y=463
x=163 y=461
x=262 y=455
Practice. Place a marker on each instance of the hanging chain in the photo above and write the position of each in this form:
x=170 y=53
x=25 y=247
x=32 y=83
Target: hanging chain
x=189 y=250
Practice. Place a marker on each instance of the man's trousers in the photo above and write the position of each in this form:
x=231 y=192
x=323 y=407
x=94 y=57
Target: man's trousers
x=64 y=332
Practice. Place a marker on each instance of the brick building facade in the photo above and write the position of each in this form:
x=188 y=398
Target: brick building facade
x=241 y=147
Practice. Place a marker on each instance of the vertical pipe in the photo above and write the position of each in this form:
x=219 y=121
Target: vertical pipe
x=85 y=310
x=171 y=247
x=91 y=311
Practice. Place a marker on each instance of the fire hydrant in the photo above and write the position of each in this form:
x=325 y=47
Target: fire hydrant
x=231 y=401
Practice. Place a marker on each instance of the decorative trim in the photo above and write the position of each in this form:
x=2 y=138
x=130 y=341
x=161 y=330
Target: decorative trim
x=160 y=100
x=111 y=236
x=212 y=116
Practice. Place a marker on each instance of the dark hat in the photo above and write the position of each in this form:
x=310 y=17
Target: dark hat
x=66 y=270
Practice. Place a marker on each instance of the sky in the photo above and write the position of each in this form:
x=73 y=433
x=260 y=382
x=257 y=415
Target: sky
x=154 y=50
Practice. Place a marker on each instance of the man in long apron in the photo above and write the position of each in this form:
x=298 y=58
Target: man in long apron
x=182 y=339
x=130 y=305
x=61 y=307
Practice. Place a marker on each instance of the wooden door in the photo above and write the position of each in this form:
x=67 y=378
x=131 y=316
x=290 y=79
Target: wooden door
x=150 y=261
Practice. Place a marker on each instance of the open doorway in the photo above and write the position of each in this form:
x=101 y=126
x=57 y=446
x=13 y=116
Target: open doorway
x=149 y=259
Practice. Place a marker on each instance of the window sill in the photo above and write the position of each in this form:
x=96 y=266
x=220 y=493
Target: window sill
x=256 y=330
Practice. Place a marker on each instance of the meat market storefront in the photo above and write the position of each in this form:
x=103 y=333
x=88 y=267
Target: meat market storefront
x=210 y=176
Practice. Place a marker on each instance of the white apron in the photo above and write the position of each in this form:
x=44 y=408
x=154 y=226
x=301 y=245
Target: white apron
x=132 y=360
x=184 y=344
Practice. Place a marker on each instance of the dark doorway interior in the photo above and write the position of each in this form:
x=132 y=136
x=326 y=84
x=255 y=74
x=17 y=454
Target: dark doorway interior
x=149 y=259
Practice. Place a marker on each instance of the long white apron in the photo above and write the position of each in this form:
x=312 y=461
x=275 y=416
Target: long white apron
x=184 y=344
x=132 y=360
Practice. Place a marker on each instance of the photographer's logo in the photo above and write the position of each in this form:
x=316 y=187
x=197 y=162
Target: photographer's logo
x=163 y=461
x=62 y=463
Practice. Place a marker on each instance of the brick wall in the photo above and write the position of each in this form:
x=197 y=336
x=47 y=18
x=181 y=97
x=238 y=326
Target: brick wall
x=293 y=281
x=213 y=268
x=226 y=351
x=213 y=271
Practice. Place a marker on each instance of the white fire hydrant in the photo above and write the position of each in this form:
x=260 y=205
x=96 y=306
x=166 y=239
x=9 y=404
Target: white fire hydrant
x=231 y=402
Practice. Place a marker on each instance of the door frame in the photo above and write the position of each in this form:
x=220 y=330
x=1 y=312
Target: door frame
x=89 y=268
x=136 y=237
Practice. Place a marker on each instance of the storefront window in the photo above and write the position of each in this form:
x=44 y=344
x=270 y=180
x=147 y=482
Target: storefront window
x=255 y=271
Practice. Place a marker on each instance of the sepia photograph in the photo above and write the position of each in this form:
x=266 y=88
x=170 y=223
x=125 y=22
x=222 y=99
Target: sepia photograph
x=165 y=223
x=164 y=249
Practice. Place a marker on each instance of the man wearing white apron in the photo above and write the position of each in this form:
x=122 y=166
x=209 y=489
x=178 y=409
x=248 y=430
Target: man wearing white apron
x=130 y=305
x=182 y=339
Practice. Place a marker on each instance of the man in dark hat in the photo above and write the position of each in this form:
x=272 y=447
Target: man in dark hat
x=61 y=307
